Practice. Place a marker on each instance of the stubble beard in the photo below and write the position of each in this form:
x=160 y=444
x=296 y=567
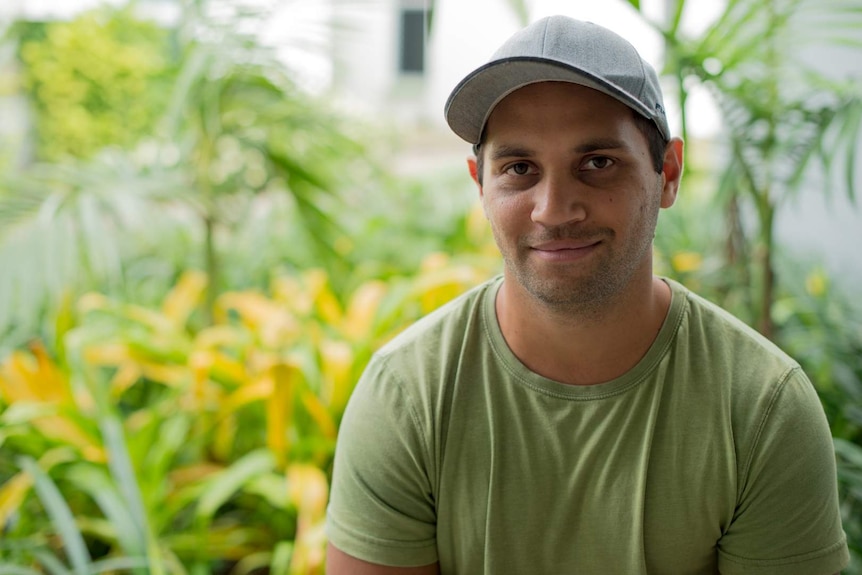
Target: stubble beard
x=592 y=286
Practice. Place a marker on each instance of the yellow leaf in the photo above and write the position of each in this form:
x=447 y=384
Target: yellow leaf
x=433 y=262
x=274 y=325
x=170 y=375
x=147 y=317
x=309 y=551
x=289 y=291
x=257 y=390
x=219 y=335
x=195 y=473
x=200 y=363
x=325 y=302
x=684 y=262
x=12 y=494
x=107 y=354
x=17 y=382
x=308 y=490
x=337 y=368
x=227 y=368
x=182 y=300
x=362 y=309
x=816 y=283
x=93 y=302
x=318 y=412
x=225 y=438
x=124 y=378
x=66 y=431
x=279 y=409
x=33 y=377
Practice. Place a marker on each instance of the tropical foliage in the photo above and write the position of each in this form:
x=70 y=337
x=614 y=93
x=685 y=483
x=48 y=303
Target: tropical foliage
x=165 y=448
x=234 y=136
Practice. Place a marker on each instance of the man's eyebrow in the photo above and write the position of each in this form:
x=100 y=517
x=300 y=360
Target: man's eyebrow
x=600 y=144
x=513 y=151
x=507 y=151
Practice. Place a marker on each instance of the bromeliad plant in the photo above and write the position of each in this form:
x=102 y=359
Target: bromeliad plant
x=149 y=444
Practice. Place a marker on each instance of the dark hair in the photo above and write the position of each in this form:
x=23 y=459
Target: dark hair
x=656 y=142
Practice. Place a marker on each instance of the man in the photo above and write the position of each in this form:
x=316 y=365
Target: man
x=580 y=415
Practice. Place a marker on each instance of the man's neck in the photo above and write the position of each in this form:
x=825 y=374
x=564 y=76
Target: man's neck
x=583 y=349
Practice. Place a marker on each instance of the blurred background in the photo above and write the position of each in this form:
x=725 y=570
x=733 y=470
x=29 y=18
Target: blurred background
x=213 y=211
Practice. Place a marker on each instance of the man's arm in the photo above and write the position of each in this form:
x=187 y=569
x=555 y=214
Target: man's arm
x=340 y=563
x=788 y=516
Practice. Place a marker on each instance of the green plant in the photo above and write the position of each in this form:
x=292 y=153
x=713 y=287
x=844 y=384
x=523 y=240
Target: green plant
x=184 y=446
x=235 y=136
x=784 y=119
x=95 y=81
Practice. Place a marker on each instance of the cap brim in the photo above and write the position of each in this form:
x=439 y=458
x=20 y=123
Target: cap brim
x=473 y=100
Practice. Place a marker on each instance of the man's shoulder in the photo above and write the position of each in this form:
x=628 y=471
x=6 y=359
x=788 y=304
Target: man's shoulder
x=710 y=325
x=748 y=379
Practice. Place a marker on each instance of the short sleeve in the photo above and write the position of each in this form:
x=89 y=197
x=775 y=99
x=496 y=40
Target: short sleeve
x=381 y=507
x=787 y=519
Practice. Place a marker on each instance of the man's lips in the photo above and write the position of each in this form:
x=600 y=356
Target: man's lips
x=560 y=245
x=564 y=250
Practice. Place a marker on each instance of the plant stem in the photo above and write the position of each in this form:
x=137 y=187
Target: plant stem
x=212 y=268
x=765 y=204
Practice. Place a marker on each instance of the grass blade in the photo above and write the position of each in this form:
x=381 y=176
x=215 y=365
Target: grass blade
x=53 y=565
x=232 y=479
x=96 y=483
x=61 y=516
x=120 y=465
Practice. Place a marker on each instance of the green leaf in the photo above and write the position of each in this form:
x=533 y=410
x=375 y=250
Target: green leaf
x=123 y=473
x=677 y=16
x=231 y=480
x=272 y=488
x=96 y=482
x=281 y=557
x=61 y=516
x=848 y=452
x=51 y=563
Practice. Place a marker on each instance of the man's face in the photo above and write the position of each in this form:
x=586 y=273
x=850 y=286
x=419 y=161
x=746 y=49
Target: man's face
x=571 y=194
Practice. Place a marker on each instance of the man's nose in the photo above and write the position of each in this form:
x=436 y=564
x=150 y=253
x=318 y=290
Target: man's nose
x=558 y=200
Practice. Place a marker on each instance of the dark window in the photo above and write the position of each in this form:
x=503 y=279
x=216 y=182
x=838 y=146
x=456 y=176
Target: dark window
x=412 y=57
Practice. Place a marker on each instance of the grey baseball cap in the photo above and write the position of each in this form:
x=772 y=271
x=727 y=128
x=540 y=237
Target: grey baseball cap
x=557 y=49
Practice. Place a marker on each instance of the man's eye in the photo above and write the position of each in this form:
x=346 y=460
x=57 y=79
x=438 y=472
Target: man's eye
x=598 y=163
x=518 y=169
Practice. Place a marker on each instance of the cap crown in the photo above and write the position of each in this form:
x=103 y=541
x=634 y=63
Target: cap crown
x=557 y=48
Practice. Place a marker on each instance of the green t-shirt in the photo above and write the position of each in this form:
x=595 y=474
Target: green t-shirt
x=711 y=455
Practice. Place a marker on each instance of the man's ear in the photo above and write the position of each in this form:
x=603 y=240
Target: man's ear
x=671 y=172
x=473 y=166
